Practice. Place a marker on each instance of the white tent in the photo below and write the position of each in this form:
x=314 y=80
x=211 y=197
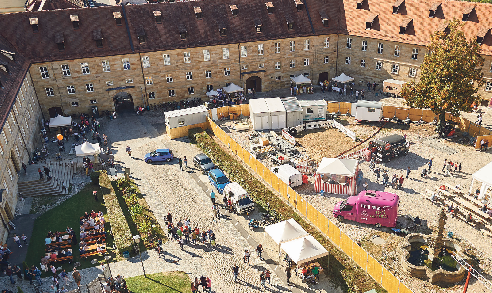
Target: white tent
x=285 y=231
x=232 y=88
x=212 y=93
x=300 y=79
x=343 y=78
x=345 y=167
x=304 y=249
x=483 y=175
x=87 y=149
x=60 y=121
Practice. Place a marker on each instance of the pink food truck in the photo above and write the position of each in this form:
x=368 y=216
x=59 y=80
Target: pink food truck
x=369 y=207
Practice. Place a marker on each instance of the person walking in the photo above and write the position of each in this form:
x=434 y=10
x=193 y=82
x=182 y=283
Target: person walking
x=76 y=277
x=408 y=172
x=193 y=288
x=129 y=151
x=10 y=273
x=209 y=284
x=185 y=161
x=289 y=274
x=445 y=164
x=259 y=250
x=212 y=197
x=181 y=242
x=246 y=256
x=430 y=164
x=377 y=171
x=40 y=174
x=235 y=271
x=180 y=162
x=262 y=279
x=267 y=276
x=24 y=167
x=17 y=240
x=37 y=274
x=400 y=182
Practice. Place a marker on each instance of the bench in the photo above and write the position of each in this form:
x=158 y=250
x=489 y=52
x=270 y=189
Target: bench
x=85 y=255
x=472 y=208
x=60 y=259
x=471 y=199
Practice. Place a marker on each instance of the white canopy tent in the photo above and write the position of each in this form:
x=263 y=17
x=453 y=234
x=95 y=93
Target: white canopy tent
x=285 y=231
x=60 y=121
x=343 y=78
x=87 y=149
x=344 y=167
x=304 y=249
x=483 y=175
x=300 y=79
x=232 y=88
x=212 y=93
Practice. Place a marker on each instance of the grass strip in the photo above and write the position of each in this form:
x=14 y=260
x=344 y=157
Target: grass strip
x=167 y=282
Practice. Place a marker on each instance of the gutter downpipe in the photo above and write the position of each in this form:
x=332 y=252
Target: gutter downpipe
x=127 y=27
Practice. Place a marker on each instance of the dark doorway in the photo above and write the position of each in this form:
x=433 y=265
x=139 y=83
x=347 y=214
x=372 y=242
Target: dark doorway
x=123 y=102
x=254 y=82
x=322 y=77
x=55 y=111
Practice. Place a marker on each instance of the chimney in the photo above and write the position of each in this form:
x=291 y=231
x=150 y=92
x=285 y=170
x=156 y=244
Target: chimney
x=324 y=17
x=75 y=21
x=34 y=23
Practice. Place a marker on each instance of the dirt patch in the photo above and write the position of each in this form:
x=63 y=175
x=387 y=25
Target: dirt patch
x=323 y=142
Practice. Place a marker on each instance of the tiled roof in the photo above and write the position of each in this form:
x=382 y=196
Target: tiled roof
x=53 y=4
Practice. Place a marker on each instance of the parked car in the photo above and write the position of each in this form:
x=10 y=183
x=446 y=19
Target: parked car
x=159 y=155
x=218 y=179
x=203 y=162
x=386 y=148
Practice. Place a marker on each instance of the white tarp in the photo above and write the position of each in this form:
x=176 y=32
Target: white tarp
x=232 y=88
x=285 y=231
x=60 y=121
x=87 y=149
x=212 y=93
x=345 y=167
x=304 y=249
x=300 y=79
x=483 y=175
x=343 y=78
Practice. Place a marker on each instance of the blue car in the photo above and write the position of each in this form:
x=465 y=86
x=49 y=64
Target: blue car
x=218 y=179
x=159 y=155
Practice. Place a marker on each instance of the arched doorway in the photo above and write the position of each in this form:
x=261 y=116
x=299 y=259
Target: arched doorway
x=123 y=101
x=322 y=77
x=55 y=111
x=254 y=82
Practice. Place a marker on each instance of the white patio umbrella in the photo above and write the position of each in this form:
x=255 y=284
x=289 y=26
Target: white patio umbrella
x=285 y=231
x=212 y=93
x=232 y=88
x=304 y=249
x=343 y=78
x=300 y=79
x=87 y=149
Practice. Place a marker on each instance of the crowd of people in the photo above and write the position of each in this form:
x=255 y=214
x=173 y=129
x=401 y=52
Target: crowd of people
x=184 y=233
x=115 y=285
x=224 y=99
x=58 y=248
x=92 y=234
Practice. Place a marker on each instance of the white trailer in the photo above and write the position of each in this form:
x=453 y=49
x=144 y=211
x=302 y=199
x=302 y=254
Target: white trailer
x=277 y=112
x=185 y=117
x=239 y=198
x=367 y=110
x=313 y=110
x=288 y=174
x=293 y=110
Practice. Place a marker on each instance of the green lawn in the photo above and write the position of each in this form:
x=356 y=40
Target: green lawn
x=58 y=218
x=171 y=282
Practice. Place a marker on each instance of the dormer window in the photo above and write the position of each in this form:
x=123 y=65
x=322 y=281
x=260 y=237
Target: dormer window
x=467 y=12
x=158 y=16
x=397 y=6
x=60 y=41
x=141 y=35
x=75 y=21
x=258 y=25
x=222 y=31
x=117 y=17
x=98 y=37
x=183 y=33
x=299 y=4
x=405 y=24
x=10 y=55
x=481 y=34
x=443 y=28
x=234 y=9
x=360 y=3
x=4 y=67
x=270 y=7
x=34 y=23
x=370 y=21
x=198 y=12
x=324 y=18
x=433 y=9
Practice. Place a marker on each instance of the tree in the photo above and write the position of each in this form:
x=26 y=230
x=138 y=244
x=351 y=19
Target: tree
x=451 y=75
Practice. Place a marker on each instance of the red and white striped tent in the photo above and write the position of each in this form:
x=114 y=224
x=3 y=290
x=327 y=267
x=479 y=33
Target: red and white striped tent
x=342 y=170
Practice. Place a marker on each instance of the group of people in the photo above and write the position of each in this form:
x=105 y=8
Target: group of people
x=184 y=233
x=224 y=99
x=115 y=285
x=204 y=282
x=449 y=167
x=92 y=233
x=57 y=247
x=396 y=181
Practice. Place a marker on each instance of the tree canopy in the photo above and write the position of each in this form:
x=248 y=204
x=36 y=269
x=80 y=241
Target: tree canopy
x=451 y=74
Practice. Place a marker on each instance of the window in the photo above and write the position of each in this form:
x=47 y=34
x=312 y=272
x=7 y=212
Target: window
x=292 y=46
x=189 y=75
x=44 y=72
x=225 y=53
x=126 y=64
x=412 y=72
x=326 y=60
x=66 y=70
x=347 y=60
x=244 y=51
x=244 y=67
x=397 y=51
x=75 y=104
x=85 y=68
x=151 y=95
x=148 y=80
x=172 y=93
x=362 y=63
x=327 y=42
x=380 y=48
x=145 y=61
x=307 y=45
x=109 y=83
x=395 y=68
x=379 y=65
x=488 y=86
x=130 y=80
x=364 y=45
x=5 y=136
x=169 y=78
x=206 y=55
x=89 y=87
x=277 y=48
x=49 y=91
x=210 y=87
x=306 y=61
x=261 y=65
x=349 y=43
x=71 y=89
x=292 y=63
x=105 y=65
x=191 y=90
x=278 y=77
x=415 y=53
x=277 y=65
x=227 y=71
x=208 y=73
x=186 y=57
x=260 y=49
x=167 y=59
